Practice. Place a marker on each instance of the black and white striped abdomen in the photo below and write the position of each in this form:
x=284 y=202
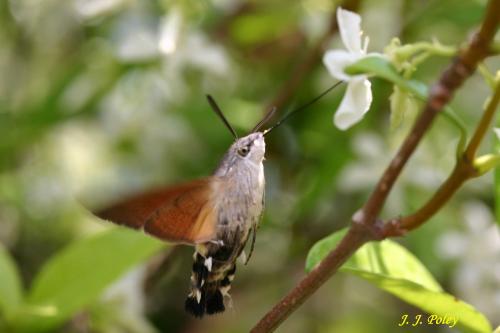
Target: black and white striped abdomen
x=213 y=271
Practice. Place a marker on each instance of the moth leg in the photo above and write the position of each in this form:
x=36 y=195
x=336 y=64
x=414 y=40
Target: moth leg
x=254 y=235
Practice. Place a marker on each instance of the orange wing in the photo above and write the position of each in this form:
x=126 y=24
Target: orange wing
x=183 y=213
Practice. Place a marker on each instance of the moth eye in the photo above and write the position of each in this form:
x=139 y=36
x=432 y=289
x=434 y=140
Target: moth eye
x=243 y=151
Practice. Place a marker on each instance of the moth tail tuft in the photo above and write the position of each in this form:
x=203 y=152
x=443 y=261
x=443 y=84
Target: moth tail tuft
x=215 y=303
x=193 y=307
x=209 y=288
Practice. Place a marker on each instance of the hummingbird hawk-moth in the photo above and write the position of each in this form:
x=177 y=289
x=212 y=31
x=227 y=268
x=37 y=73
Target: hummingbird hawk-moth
x=216 y=215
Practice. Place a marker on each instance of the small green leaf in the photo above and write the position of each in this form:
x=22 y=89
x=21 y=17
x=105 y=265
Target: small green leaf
x=402 y=103
x=78 y=274
x=392 y=268
x=10 y=284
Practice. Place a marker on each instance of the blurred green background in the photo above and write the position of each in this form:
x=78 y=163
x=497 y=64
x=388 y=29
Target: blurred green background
x=104 y=98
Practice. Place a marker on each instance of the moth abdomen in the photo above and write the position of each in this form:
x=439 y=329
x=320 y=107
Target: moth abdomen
x=210 y=283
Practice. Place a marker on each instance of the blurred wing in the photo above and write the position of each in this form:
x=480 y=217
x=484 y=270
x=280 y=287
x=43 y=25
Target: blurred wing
x=183 y=213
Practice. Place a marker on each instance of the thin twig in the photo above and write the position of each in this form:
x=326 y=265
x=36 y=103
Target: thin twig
x=460 y=174
x=366 y=225
x=463 y=171
x=484 y=124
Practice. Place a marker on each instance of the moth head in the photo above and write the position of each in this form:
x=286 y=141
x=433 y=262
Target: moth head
x=250 y=148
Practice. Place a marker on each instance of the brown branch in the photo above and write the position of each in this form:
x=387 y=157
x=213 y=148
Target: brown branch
x=365 y=227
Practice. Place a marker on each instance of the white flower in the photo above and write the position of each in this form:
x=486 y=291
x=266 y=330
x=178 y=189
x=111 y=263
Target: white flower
x=358 y=96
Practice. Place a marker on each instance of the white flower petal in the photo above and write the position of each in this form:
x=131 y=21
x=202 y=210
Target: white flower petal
x=336 y=61
x=354 y=105
x=350 y=29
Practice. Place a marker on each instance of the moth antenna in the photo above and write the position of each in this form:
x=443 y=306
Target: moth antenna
x=302 y=107
x=218 y=111
x=264 y=120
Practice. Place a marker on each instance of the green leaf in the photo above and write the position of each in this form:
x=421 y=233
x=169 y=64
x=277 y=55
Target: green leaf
x=78 y=274
x=392 y=268
x=10 y=284
x=383 y=68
